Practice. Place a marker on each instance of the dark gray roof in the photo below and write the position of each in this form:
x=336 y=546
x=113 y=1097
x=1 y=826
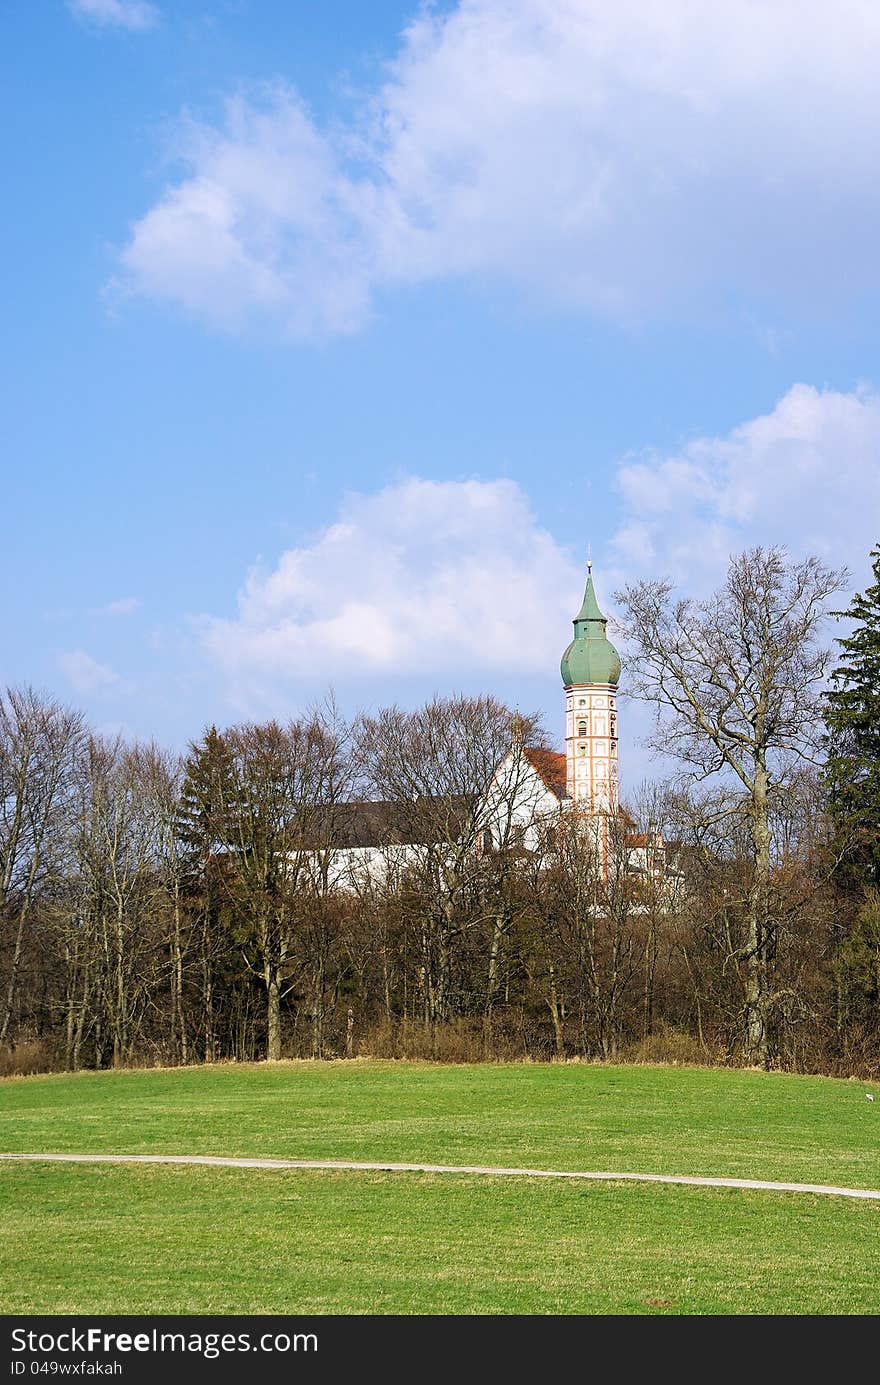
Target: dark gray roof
x=376 y=823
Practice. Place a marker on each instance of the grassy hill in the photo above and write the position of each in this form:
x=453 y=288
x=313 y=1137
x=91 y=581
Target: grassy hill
x=173 y=1239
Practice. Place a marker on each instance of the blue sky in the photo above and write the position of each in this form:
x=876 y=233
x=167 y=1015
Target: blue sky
x=335 y=332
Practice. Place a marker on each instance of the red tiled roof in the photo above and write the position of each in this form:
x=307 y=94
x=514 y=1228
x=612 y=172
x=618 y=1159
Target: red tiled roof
x=550 y=765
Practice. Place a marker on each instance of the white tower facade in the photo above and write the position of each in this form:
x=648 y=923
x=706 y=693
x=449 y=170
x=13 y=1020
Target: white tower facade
x=590 y=673
x=591 y=777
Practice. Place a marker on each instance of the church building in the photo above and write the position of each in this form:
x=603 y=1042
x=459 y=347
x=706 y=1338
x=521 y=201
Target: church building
x=533 y=786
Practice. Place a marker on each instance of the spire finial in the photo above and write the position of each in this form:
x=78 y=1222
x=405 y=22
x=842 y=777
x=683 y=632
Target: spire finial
x=589 y=557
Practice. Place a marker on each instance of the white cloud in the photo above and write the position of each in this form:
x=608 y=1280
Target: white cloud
x=807 y=475
x=119 y=14
x=125 y=606
x=452 y=580
x=625 y=159
x=86 y=675
x=424 y=579
x=451 y=584
x=263 y=228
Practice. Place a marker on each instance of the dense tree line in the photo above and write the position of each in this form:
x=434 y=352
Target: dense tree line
x=327 y=889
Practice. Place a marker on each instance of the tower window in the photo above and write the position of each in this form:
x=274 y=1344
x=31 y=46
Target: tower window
x=582 y=750
x=582 y=728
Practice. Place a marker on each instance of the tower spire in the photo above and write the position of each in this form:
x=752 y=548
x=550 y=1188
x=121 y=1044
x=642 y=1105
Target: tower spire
x=590 y=672
x=590 y=623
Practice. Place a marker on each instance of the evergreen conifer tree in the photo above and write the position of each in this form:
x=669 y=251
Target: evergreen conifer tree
x=852 y=720
x=206 y=801
x=206 y=798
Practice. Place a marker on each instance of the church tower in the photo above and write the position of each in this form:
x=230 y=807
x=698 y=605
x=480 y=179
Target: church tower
x=590 y=672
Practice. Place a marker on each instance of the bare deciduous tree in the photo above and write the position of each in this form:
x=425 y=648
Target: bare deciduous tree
x=38 y=745
x=735 y=681
x=163 y=780
x=287 y=782
x=436 y=765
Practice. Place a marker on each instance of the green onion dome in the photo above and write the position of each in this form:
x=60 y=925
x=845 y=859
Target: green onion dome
x=591 y=657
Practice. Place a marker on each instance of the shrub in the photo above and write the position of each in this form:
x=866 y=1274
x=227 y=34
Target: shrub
x=30 y=1056
x=670 y=1045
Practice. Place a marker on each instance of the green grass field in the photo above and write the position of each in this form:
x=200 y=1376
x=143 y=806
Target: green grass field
x=91 y=1238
